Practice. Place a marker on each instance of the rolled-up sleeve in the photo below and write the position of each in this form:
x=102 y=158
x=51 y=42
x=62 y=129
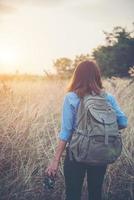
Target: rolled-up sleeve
x=121 y=117
x=67 y=120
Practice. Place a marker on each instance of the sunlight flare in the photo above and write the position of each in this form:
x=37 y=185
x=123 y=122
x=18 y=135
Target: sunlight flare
x=8 y=56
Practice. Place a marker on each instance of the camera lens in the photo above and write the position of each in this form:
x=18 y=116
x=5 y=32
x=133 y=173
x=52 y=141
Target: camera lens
x=49 y=182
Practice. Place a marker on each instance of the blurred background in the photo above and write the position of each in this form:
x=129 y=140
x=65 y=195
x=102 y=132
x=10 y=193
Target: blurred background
x=35 y=33
x=41 y=43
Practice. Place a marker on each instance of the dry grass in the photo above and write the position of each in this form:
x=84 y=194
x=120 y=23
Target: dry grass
x=29 y=126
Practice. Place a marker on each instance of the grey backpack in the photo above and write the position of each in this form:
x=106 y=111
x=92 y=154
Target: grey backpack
x=96 y=140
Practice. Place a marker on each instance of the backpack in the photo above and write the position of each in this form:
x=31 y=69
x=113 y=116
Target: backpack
x=96 y=139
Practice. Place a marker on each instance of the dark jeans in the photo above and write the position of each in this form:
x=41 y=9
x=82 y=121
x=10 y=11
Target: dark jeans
x=74 y=173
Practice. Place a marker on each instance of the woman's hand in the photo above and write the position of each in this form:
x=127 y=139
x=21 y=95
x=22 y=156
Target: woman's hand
x=52 y=168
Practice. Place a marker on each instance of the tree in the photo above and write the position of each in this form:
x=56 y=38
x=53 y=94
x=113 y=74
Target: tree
x=63 y=66
x=80 y=58
x=117 y=56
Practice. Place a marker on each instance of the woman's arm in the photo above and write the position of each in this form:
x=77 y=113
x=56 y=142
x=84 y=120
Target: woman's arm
x=53 y=167
x=121 y=117
x=64 y=135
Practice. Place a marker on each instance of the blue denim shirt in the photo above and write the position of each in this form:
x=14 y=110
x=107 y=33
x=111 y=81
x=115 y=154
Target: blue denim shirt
x=69 y=109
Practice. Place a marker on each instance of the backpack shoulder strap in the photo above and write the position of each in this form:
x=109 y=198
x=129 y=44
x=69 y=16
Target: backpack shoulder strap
x=103 y=93
x=80 y=111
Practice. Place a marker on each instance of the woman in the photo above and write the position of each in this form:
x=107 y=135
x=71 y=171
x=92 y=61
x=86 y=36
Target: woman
x=86 y=80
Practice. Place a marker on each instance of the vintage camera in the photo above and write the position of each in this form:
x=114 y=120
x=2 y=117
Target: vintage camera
x=49 y=182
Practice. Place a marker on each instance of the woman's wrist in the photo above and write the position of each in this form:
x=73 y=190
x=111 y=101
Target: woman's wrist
x=56 y=160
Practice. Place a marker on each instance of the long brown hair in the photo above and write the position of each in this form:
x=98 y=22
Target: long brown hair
x=86 y=79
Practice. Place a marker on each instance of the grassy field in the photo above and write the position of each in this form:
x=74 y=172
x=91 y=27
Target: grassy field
x=29 y=126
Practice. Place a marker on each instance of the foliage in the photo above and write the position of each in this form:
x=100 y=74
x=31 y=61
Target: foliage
x=131 y=71
x=117 y=56
x=114 y=58
x=65 y=66
x=80 y=58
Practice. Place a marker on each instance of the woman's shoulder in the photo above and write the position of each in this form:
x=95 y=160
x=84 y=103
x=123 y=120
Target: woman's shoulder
x=110 y=97
x=71 y=95
x=72 y=98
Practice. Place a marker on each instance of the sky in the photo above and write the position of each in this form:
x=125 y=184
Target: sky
x=34 y=33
